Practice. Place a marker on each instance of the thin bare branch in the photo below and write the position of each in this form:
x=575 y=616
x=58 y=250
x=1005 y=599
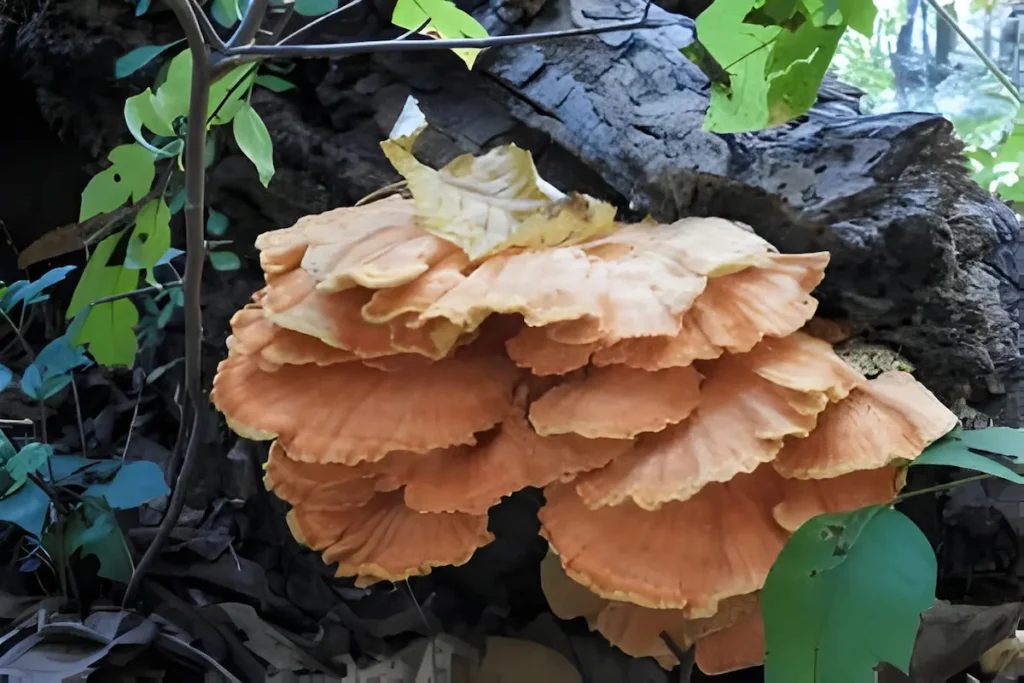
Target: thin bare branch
x=250 y=25
x=319 y=20
x=207 y=27
x=195 y=256
x=400 y=45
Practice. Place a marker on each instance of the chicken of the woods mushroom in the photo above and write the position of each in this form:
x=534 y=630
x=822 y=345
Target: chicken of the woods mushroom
x=415 y=360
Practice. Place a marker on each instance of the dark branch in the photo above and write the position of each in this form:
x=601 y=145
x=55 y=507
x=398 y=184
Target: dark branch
x=195 y=255
x=319 y=20
x=398 y=45
x=250 y=25
x=208 y=30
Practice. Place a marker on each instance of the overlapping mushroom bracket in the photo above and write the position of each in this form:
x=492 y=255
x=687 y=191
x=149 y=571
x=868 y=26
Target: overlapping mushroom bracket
x=654 y=379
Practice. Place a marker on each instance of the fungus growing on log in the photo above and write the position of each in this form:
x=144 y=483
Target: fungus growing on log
x=416 y=360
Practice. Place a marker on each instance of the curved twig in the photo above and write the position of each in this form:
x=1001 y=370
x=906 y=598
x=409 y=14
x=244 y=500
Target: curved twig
x=195 y=255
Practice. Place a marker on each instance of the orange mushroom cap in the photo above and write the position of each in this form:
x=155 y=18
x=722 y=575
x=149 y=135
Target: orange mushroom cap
x=891 y=418
x=726 y=541
x=387 y=540
x=349 y=413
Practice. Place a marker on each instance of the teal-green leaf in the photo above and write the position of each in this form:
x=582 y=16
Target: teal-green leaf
x=224 y=260
x=274 y=83
x=228 y=94
x=216 y=223
x=28 y=461
x=151 y=237
x=225 y=12
x=95 y=531
x=26 y=508
x=954 y=450
x=130 y=176
x=315 y=8
x=109 y=330
x=134 y=484
x=253 y=139
x=846 y=592
x=140 y=57
x=5 y=376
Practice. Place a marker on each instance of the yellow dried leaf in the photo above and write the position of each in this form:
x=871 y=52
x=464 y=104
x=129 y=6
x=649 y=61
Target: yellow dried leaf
x=496 y=201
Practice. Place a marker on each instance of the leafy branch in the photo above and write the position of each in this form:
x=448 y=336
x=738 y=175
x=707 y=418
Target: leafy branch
x=219 y=75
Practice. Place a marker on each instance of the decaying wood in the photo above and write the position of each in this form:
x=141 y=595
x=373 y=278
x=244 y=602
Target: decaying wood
x=922 y=258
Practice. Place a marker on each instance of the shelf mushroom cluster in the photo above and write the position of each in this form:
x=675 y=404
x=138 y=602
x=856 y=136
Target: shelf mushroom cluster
x=653 y=379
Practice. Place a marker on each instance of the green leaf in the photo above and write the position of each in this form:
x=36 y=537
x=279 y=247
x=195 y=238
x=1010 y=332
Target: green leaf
x=95 y=531
x=961 y=449
x=141 y=7
x=151 y=237
x=224 y=260
x=134 y=484
x=5 y=376
x=140 y=57
x=253 y=139
x=742 y=50
x=130 y=176
x=796 y=65
x=7 y=449
x=108 y=330
x=846 y=593
x=231 y=90
x=858 y=14
x=177 y=201
x=315 y=8
x=26 y=508
x=446 y=19
x=140 y=111
x=763 y=71
x=51 y=370
x=216 y=223
x=28 y=461
x=274 y=83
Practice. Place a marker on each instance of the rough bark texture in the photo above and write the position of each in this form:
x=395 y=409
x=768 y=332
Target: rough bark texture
x=922 y=257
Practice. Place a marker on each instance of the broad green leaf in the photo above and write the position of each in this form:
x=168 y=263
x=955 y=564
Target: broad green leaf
x=7 y=449
x=224 y=260
x=742 y=50
x=253 y=139
x=846 y=592
x=30 y=290
x=29 y=460
x=134 y=484
x=230 y=90
x=446 y=20
x=26 y=508
x=493 y=202
x=95 y=531
x=967 y=449
x=796 y=65
x=138 y=112
x=129 y=177
x=108 y=330
x=315 y=8
x=859 y=15
x=140 y=57
x=764 y=73
x=151 y=237
x=216 y=223
x=5 y=377
x=274 y=83
x=771 y=13
x=1000 y=440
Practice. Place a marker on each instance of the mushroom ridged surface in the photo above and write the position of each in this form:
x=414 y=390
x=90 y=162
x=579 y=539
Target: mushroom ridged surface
x=655 y=380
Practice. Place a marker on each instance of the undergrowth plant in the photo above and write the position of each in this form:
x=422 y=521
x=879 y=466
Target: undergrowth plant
x=63 y=504
x=765 y=59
